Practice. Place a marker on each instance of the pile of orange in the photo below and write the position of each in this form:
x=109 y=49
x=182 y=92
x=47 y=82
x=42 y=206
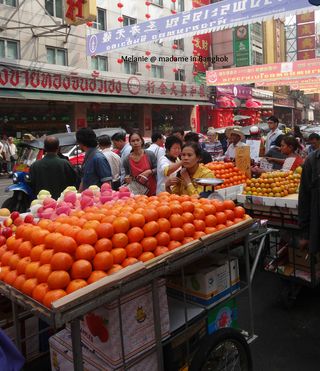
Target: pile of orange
x=53 y=258
x=230 y=174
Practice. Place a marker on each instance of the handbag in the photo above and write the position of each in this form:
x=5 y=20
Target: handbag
x=137 y=188
x=13 y=158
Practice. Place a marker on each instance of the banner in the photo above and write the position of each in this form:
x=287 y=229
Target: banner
x=241 y=46
x=264 y=72
x=285 y=82
x=213 y=17
x=306 y=38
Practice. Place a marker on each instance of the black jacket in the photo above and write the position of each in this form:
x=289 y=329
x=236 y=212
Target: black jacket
x=309 y=201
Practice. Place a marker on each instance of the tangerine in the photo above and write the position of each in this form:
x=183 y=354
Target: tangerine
x=25 y=249
x=40 y=291
x=43 y=273
x=36 y=252
x=137 y=220
x=163 y=238
x=95 y=276
x=31 y=269
x=136 y=234
x=81 y=269
x=104 y=244
x=120 y=240
x=119 y=254
x=134 y=249
x=88 y=236
x=151 y=228
x=46 y=256
x=115 y=268
x=160 y=250
x=29 y=285
x=58 y=280
x=146 y=256
x=103 y=261
x=149 y=244
x=86 y=252
x=61 y=261
x=105 y=230
x=176 y=234
x=22 y=264
x=76 y=284
x=53 y=295
x=65 y=244
x=129 y=261
x=164 y=225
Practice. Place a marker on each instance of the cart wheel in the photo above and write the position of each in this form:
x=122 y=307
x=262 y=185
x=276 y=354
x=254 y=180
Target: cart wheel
x=289 y=294
x=225 y=349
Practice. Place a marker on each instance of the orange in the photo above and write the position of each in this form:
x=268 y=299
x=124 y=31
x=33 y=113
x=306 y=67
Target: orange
x=10 y=277
x=121 y=224
x=38 y=236
x=31 y=269
x=210 y=230
x=13 y=261
x=20 y=229
x=104 y=244
x=40 y=291
x=103 y=261
x=160 y=250
x=95 y=276
x=3 y=249
x=187 y=217
x=199 y=213
x=211 y=221
x=239 y=212
x=61 y=261
x=3 y=271
x=6 y=258
x=229 y=223
x=108 y=219
x=22 y=264
x=26 y=233
x=120 y=240
x=135 y=234
x=43 y=273
x=134 y=250
x=188 y=229
x=150 y=214
x=58 y=280
x=46 y=256
x=88 y=236
x=176 y=234
x=50 y=239
x=149 y=243
x=119 y=254
x=198 y=234
x=237 y=220
x=137 y=220
x=65 y=244
x=85 y=251
x=72 y=231
x=187 y=240
x=229 y=214
x=164 y=211
x=36 y=252
x=164 y=225
x=151 y=228
x=76 y=285
x=44 y=223
x=114 y=269
x=105 y=230
x=91 y=224
x=25 y=249
x=176 y=208
x=176 y=220
x=53 y=295
x=29 y=285
x=13 y=243
x=145 y=256
x=81 y=269
x=187 y=206
x=199 y=225
x=209 y=209
x=229 y=204
x=220 y=227
x=20 y=280
x=129 y=261
x=221 y=217
x=163 y=238
x=219 y=205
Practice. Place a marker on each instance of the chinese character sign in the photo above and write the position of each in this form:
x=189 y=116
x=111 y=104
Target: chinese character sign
x=201 y=20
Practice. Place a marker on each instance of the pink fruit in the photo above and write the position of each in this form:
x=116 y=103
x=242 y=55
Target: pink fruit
x=70 y=197
x=124 y=189
x=14 y=215
x=18 y=221
x=86 y=201
x=49 y=203
x=40 y=210
x=105 y=199
x=7 y=232
x=47 y=213
x=87 y=192
x=7 y=222
x=3 y=240
x=124 y=194
x=63 y=210
x=29 y=218
x=105 y=187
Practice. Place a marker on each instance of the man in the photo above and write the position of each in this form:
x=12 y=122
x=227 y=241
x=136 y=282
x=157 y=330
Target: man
x=113 y=159
x=179 y=134
x=274 y=132
x=51 y=173
x=157 y=145
x=213 y=145
x=96 y=169
x=119 y=142
x=236 y=137
x=194 y=137
x=314 y=141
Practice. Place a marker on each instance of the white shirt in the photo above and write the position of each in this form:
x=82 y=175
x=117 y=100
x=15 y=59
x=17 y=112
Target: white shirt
x=125 y=152
x=271 y=137
x=157 y=150
x=114 y=162
x=162 y=169
x=231 y=151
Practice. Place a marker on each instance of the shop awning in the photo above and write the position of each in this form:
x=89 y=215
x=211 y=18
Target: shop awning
x=91 y=98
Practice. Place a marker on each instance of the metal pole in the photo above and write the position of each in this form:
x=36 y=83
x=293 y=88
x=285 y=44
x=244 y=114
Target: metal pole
x=16 y=326
x=257 y=257
x=247 y=260
x=157 y=323
x=76 y=345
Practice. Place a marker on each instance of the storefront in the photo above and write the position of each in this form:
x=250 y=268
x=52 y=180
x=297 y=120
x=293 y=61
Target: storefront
x=42 y=101
x=284 y=109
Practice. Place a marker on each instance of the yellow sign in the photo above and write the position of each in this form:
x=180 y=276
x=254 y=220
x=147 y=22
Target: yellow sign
x=243 y=160
x=80 y=11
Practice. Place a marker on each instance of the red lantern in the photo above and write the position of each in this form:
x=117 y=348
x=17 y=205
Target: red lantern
x=173 y=1
x=148 y=52
x=173 y=11
x=89 y=24
x=120 y=5
x=120 y=60
x=174 y=46
x=175 y=70
x=120 y=19
x=147 y=3
x=148 y=15
x=148 y=66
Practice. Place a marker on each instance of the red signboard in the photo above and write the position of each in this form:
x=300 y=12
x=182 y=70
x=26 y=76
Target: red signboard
x=201 y=43
x=307 y=43
x=304 y=18
x=306 y=29
x=306 y=54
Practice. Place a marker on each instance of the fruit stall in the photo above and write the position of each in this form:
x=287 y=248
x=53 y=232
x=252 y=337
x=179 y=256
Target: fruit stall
x=94 y=263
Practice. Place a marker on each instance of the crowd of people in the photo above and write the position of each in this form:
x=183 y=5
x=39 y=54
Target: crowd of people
x=169 y=164
x=8 y=155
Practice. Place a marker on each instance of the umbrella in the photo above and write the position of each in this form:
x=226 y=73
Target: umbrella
x=240 y=117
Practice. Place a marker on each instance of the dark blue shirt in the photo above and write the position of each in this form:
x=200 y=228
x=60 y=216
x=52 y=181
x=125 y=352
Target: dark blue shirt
x=96 y=169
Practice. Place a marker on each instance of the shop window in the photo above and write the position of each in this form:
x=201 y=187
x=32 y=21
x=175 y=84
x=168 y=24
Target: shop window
x=157 y=71
x=57 y=56
x=99 y=63
x=157 y=2
x=180 y=75
x=9 y=2
x=131 y=68
x=180 y=5
x=101 y=20
x=128 y=21
x=257 y=58
x=54 y=8
x=9 y=49
x=179 y=43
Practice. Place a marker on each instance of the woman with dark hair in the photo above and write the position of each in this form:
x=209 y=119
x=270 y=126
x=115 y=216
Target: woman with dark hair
x=169 y=164
x=191 y=169
x=141 y=165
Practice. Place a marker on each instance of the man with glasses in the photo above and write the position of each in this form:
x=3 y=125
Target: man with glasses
x=274 y=132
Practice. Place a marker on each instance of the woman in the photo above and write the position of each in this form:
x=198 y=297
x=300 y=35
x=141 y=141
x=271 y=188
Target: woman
x=191 y=169
x=289 y=146
x=213 y=146
x=140 y=165
x=169 y=164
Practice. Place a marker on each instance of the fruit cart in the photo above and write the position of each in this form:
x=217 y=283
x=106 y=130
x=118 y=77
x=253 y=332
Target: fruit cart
x=71 y=308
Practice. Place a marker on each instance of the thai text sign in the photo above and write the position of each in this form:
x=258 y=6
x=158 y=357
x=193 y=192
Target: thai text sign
x=264 y=72
x=286 y=82
x=213 y=17
x=132 y=86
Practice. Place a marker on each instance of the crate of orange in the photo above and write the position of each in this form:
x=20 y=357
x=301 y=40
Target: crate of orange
x=228 y=172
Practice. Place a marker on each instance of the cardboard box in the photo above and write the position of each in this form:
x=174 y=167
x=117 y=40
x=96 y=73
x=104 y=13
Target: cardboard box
x=223 y=315
x=208 y=281
x=62 y=358
x=100 y=329
x=301 y=259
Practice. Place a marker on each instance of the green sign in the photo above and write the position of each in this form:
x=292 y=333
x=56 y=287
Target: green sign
x=200 y=78
x=241 y=46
